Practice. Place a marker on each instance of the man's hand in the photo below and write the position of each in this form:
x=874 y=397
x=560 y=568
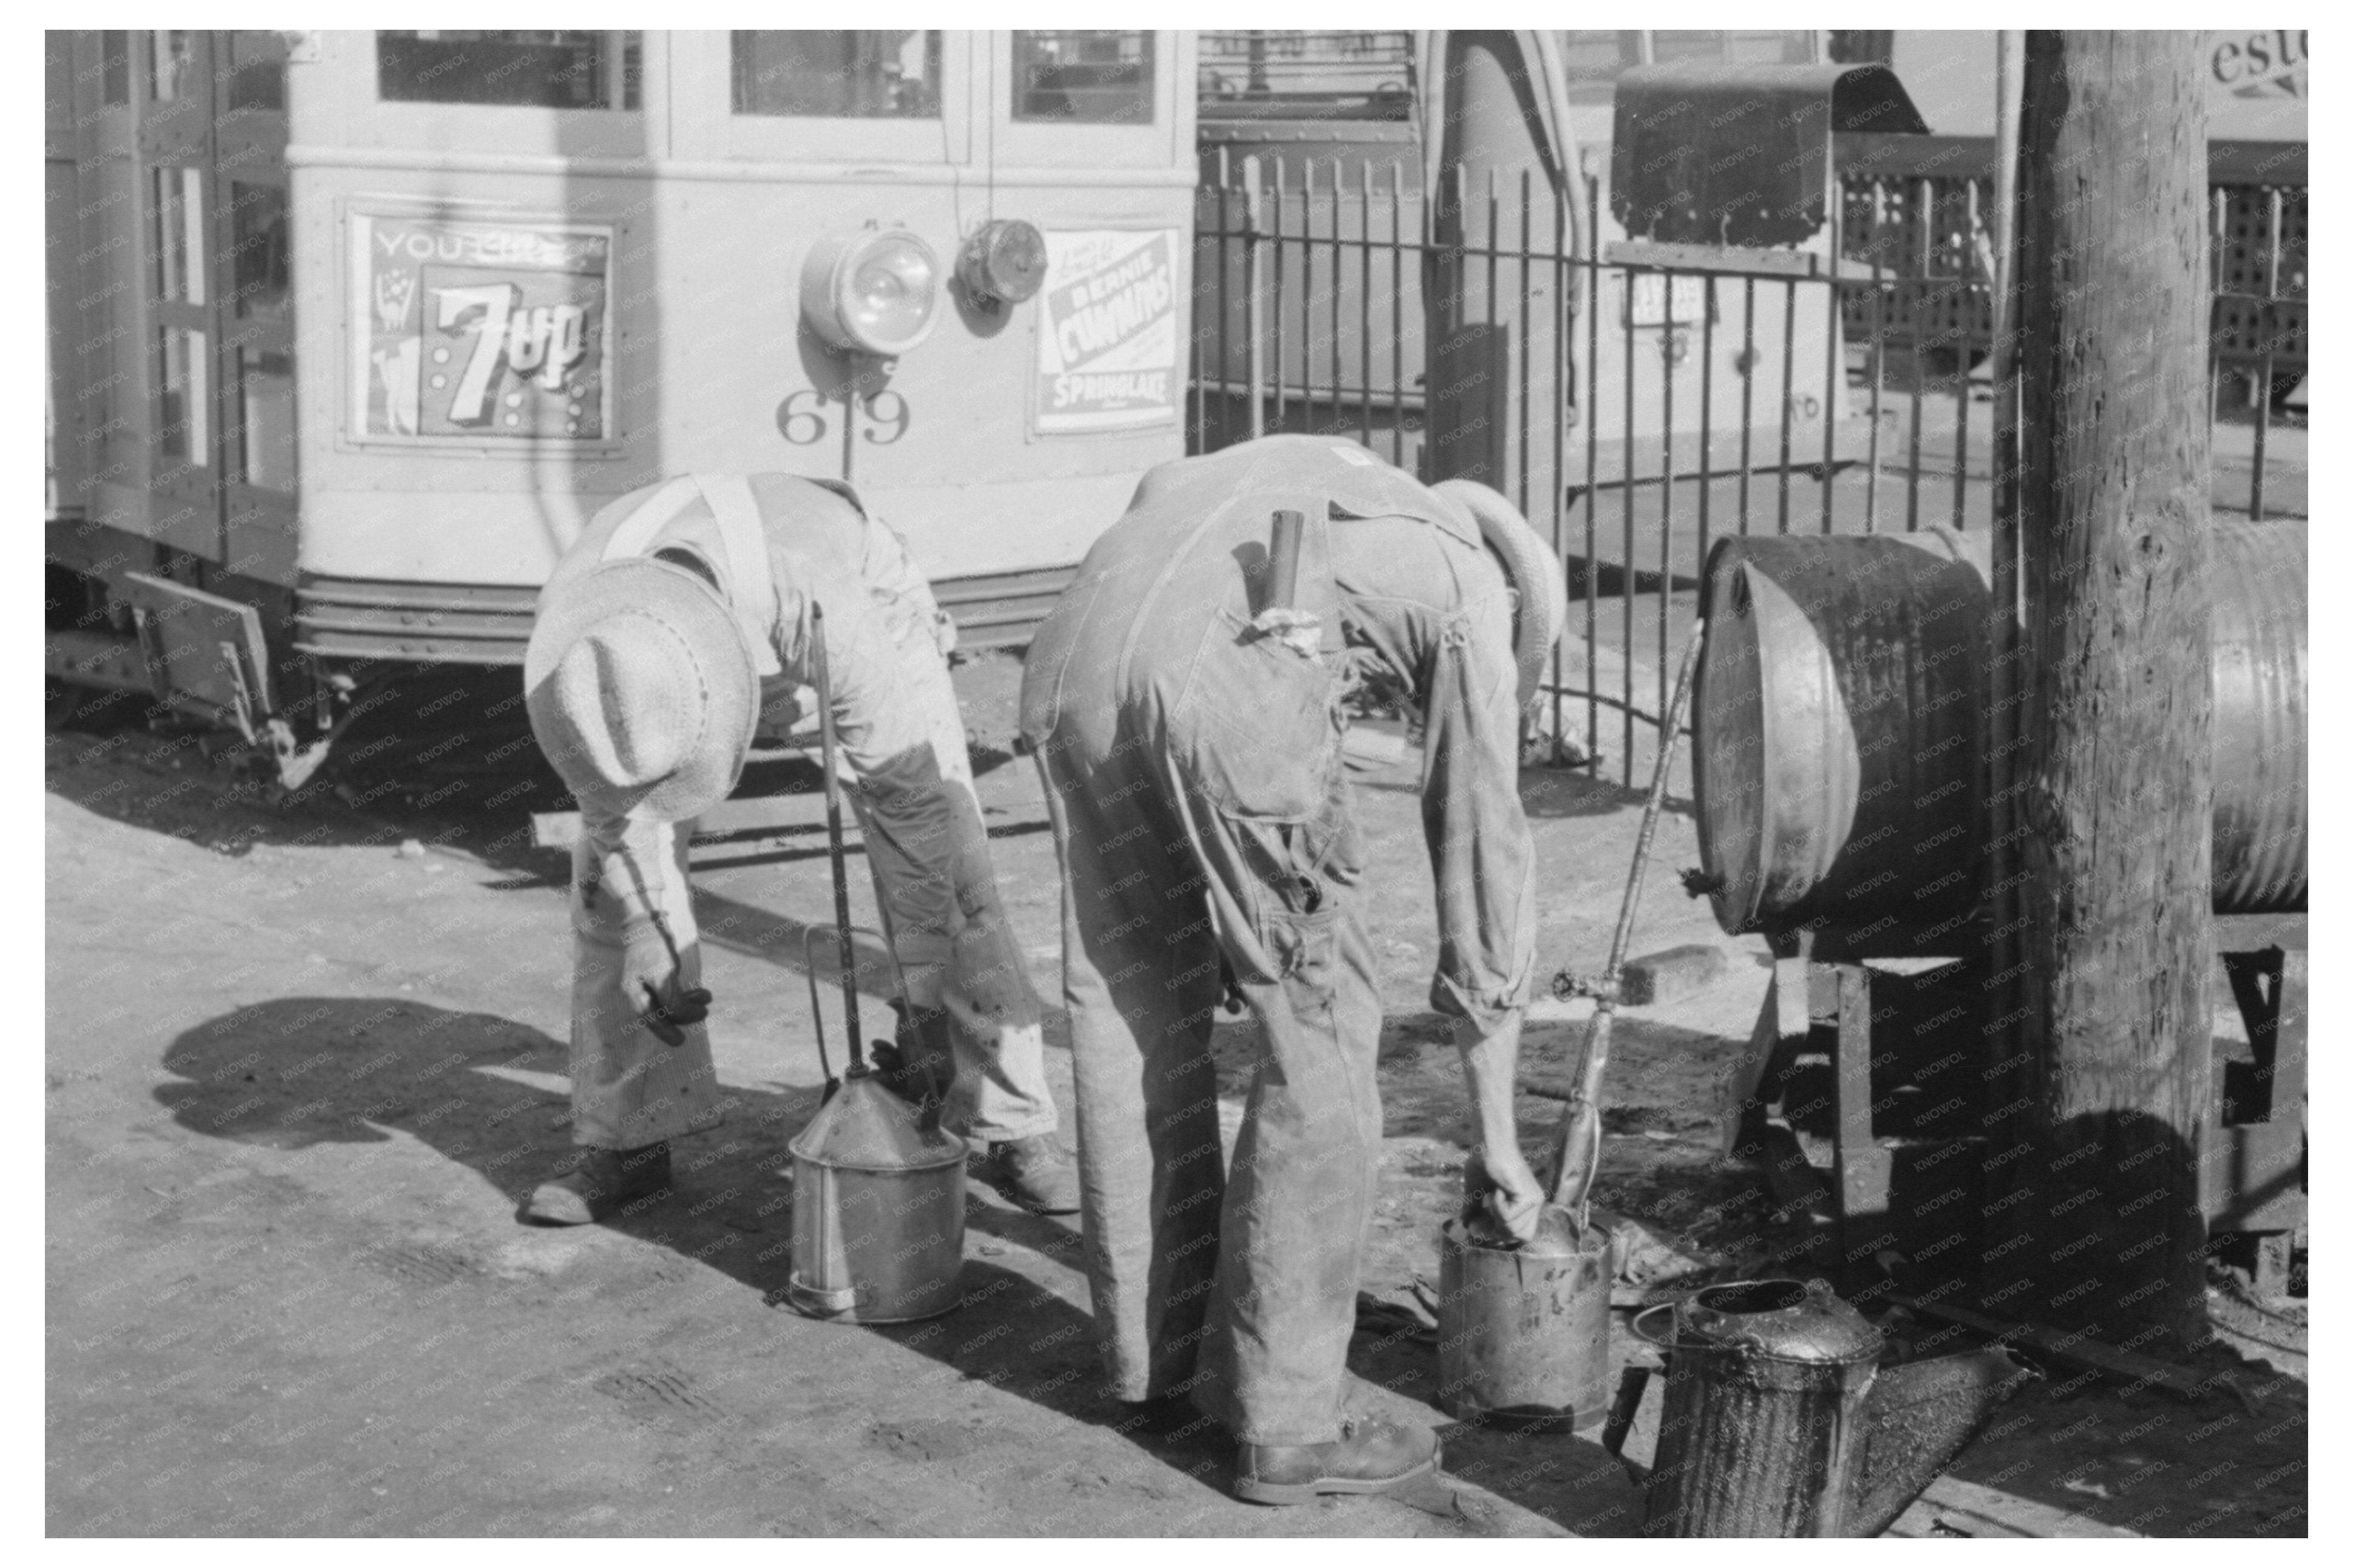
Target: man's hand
x=651 y=981
x=1500 y=1179
x=1497 y=1175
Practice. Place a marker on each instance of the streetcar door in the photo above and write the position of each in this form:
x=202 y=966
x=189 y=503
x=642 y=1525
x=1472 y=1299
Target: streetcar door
x=211 y=160
x=177 y=189
x=255 y=315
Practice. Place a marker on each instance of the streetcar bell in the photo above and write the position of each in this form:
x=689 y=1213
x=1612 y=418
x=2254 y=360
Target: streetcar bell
x=873 y=291
x=1004 y=262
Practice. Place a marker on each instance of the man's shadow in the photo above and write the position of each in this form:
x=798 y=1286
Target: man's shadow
x=299 y=1071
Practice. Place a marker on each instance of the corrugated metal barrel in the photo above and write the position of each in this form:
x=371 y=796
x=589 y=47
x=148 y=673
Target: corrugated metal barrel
x=2261 y=798
x=1836 y=722
x=1838 y=754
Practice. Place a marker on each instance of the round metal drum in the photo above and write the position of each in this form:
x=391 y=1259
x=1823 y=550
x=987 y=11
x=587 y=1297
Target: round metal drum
x=1837 y=711
x=1838 y=753
x=2260 y=575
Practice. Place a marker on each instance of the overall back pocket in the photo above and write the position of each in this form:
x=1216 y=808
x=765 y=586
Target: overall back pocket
x=1258 y=729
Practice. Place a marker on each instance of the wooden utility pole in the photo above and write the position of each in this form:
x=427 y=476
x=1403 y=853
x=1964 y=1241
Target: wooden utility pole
x=2116 y=776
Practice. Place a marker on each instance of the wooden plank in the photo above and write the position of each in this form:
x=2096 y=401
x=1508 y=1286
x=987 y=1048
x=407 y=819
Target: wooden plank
x=728 y=819
x=1868 y=154
x=1863 y=1168
x=755 y=815
x=1755 y=260
x=1953 y=1507
x=94 y=658
x=2253 y=933
x=1743 y=1117
x=2077 y=1350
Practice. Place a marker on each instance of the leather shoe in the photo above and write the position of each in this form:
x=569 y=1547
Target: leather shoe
x=1370 y=1457
x=604 y=1181
x=1034 y=1173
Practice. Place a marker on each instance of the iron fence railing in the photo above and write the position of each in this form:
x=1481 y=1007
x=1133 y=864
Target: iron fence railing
x=1641 y=403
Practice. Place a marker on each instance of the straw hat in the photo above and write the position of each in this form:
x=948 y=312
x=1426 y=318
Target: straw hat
x=640 y=688
x=1534 y=570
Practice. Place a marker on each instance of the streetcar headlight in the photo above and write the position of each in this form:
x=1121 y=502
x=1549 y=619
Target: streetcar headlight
x=874 y=291
x=1004 y=261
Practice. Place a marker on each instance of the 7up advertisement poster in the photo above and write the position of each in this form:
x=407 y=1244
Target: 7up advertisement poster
x=480 y=331
x=1107 y=330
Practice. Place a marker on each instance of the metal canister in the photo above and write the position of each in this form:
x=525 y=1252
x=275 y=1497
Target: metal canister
x=1523 y=1331
x=1762 y=1435
x=878 y=1210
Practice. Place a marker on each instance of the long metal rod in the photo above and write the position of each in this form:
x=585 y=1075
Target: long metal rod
x=1788 y=393
x=1365 y=303
x=1592 y=468
x=1626 y=559
x=1524 y=329
x=1706 y=413
x=2269 y=314
x=1564 y=381
x=1579 y=1149
x=1962 y=326
x=1833 y=348
x=1666 y=472
x=1396 y=311
x=824 y=683
x=1922 y=196
x=1747 y=388
x=1225 y=296
x=1253 y=304
x=1280 y=295
x=1878 y=349
x=2220 y=223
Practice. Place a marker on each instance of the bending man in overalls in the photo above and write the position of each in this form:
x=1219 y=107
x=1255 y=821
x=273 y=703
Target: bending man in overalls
x=1190 y=734
x=680 y=615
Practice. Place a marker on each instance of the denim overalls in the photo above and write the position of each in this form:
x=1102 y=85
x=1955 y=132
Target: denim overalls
x=1201 y=814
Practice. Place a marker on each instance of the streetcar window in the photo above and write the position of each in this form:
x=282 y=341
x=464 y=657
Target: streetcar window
x=114 y=67
x=184 y=393
x=258 y=249
x=1595 y=57
x=1097 y=77
x=1793 y=46
x=838 y=74
x=531 y=71
x=1863 y=48
x=257 y=73
x=265 y=398
x=179 y=240
x=1596 y=54
x=171 y=58
x=1309 y=76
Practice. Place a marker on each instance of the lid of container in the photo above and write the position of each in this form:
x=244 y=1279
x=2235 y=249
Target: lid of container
x=1778 y=1320
x=865 y=1126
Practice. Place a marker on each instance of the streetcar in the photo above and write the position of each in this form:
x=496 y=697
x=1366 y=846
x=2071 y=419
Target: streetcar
x=350 y=333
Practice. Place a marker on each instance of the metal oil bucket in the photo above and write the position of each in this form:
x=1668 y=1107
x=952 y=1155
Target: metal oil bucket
x=1763 y=1431
x=878 y=1210
x=1523 y=1331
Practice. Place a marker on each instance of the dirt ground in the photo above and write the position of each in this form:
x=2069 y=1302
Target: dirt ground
x=299 y=1077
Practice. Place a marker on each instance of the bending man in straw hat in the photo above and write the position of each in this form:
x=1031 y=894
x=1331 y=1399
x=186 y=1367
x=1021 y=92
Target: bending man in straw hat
x=1190 y=740
x=683 y=612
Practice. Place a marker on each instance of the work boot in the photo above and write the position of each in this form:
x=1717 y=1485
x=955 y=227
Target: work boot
x=1371 y=1456
x=1034 y=1173
x=604 y=1181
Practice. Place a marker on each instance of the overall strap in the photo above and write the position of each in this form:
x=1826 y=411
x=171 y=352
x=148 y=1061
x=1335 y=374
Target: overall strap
x=745 y=538
x=637 y=530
